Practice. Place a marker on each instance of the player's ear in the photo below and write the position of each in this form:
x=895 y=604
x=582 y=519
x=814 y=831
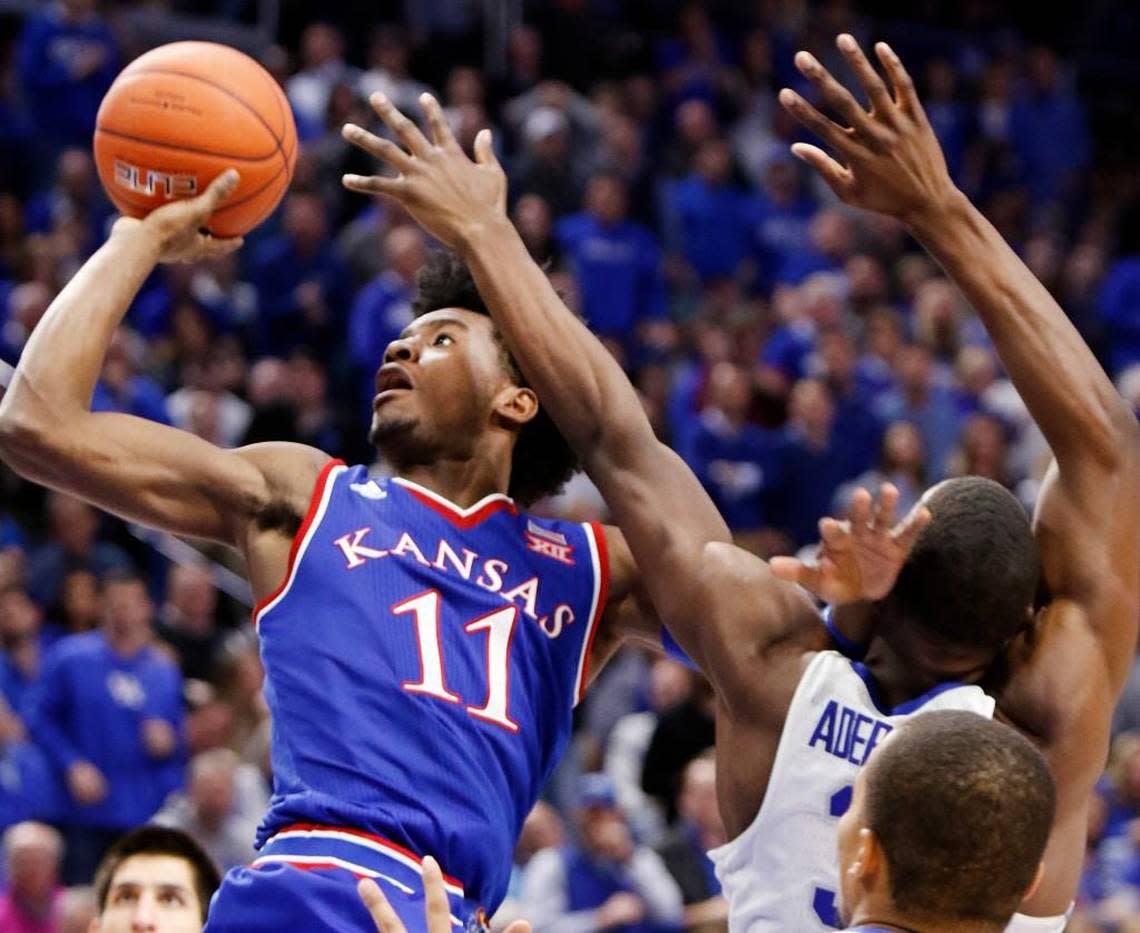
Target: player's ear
x=868 y=861
x=1038 y=877
x=516 y=405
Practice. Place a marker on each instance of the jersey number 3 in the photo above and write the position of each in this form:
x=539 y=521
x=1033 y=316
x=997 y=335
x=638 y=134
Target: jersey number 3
x=500 y=628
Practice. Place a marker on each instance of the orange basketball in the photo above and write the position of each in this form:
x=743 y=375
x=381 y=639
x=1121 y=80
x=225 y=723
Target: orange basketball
x=180 y=115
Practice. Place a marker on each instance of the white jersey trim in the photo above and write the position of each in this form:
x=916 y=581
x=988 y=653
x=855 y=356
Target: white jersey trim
x=448 y=504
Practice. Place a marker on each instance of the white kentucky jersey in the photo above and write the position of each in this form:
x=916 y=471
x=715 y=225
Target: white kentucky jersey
x=781 y=873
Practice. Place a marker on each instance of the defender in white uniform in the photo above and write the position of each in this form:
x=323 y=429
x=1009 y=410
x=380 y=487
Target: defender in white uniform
x=781 y=872
x=1044 y=617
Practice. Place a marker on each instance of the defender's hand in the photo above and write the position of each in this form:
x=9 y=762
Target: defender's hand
x=450 y=196
x=178 y=227
x=860 y=558
x=892 y=162
x=436 y=906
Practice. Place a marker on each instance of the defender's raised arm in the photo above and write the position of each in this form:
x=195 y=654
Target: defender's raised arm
x=675 y=532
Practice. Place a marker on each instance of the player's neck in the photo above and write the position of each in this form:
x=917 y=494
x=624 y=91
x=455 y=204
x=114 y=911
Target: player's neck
x=463 y=482
x=885 y=917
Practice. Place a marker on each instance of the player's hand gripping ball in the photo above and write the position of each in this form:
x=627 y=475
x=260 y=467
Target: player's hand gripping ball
x=180 y=115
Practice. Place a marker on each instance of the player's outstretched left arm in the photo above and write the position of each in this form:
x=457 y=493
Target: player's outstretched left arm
x=676 y=534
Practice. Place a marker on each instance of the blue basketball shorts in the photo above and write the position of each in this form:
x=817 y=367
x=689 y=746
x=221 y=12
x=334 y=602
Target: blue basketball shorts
x=305 y=877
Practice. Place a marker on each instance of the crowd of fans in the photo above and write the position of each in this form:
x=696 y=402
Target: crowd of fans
x=789 y=349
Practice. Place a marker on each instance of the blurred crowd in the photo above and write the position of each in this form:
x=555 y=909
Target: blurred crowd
x=789 y=349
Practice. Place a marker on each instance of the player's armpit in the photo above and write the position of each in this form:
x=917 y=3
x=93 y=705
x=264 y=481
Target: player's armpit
x=154 y=474
x=1090 y=552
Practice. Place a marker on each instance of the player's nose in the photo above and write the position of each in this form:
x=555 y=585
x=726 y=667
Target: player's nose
x=401 y=351
x=145 y=919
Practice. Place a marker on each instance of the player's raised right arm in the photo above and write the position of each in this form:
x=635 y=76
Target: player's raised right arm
x=678 y=538
x=138 y=469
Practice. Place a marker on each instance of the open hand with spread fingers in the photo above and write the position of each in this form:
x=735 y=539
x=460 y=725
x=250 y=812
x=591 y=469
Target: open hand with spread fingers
x=886 y=159
x=447 y=193
x=859 y=558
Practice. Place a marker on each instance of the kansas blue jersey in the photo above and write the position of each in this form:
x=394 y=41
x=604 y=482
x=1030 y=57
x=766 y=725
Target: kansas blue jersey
x=422 y=663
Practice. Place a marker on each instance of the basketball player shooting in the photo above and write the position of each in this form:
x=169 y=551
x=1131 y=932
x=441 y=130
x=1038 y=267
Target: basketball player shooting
x=796 y=722
x=424 y=640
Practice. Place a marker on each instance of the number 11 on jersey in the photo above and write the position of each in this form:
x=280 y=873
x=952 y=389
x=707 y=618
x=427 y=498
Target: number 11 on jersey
x=500 y=628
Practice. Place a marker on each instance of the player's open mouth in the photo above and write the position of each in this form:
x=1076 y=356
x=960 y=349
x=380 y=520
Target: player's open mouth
x=390 y=380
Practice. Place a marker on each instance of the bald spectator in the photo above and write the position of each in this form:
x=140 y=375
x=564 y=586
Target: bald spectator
x=73 y=543
x=31 y=903
x=187 y=620
x=209 y=810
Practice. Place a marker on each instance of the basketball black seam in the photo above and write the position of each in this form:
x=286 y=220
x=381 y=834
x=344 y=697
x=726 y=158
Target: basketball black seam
x=220 y=87
x=196 y=150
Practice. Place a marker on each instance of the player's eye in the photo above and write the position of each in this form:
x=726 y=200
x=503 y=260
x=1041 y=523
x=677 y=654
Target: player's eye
x=124 y=896
x=443 y=340
x=171 y=899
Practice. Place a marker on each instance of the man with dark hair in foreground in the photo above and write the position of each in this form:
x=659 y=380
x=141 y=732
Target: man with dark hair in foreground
x=156 y=879
x=946 y=828
x=796 y=721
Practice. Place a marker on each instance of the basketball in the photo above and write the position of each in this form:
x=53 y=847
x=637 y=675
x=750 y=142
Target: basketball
x=180 y=115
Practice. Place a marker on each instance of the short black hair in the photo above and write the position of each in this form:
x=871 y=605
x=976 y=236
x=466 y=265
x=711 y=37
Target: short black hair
x=543 y=461
x=962 y=806
x=159 y=840
x=971 y=578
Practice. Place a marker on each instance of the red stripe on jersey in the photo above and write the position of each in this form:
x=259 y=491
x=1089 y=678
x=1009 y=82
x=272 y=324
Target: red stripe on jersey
x=453 y=514
x=314 y=504
x=599 y=611
x=372 y=837
x=313 y=866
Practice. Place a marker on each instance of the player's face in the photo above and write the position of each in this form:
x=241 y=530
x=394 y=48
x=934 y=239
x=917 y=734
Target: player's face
x=438 y=384
x=153 y=893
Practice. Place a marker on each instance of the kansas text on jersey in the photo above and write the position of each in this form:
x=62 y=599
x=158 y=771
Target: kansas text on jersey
x=422 y=662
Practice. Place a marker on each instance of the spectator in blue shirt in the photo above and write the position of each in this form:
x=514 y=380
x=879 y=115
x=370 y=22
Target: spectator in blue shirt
x=818 y=460
x=605 y=882
x=1048 y=130
x=67 y=59
x=75 y=198
x=737 y=462
x=73 y=544
x=949 y=116
x=23 y=641
x=837 y=358
x=122 y=387
x=830 y=247
x=928 y=406
x=108 y=712
x=709 y=217
x=384 y=306
x=1119 y=300
x=301 y=281
x=782 y=218
x=615 y=262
